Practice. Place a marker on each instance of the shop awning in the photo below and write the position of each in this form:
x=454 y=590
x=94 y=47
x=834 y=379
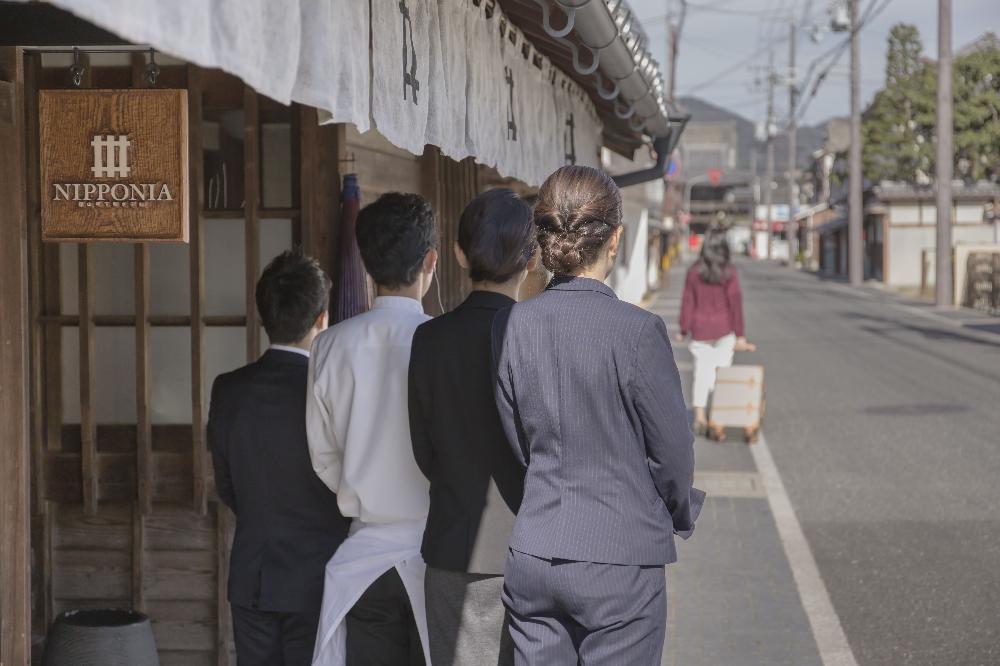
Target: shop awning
x=453 y=73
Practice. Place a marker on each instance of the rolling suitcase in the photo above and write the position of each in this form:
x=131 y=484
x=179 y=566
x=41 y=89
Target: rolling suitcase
x=738 y=402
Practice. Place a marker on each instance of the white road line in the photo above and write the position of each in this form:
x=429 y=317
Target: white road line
x=831 y=641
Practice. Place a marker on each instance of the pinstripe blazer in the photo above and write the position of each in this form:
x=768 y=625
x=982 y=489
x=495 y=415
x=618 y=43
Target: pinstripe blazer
x=591 y=402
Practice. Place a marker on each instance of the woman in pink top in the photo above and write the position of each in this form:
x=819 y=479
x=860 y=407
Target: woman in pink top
x=712 y=313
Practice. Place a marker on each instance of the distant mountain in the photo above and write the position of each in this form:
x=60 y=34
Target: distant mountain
x=809 y=138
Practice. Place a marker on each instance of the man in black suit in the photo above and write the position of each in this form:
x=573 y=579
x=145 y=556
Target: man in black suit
x=287 y=521
x=476 y=482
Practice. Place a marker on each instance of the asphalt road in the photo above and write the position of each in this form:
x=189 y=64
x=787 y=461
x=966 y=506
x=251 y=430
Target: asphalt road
x=884 y=423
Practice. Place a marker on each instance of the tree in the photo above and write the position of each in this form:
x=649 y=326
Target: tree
x=898 y=125
x=977 y=113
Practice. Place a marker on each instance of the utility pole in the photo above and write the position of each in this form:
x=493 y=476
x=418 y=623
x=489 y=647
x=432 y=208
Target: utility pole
x=943 y=275
x=793 y=183
x=674 y=33
x=769 y=163
x=855 y=267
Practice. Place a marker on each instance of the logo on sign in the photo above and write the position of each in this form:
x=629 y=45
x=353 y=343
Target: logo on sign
x=111 y=160
x=110 y=156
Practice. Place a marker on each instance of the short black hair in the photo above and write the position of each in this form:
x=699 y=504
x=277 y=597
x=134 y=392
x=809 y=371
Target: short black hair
x=497 y=234
x=394 y=234
x=291 y=293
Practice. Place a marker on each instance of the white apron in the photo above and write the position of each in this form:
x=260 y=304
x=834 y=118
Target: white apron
x=368 y=552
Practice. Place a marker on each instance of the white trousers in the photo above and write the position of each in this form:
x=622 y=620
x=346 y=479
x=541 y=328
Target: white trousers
x=709 y=356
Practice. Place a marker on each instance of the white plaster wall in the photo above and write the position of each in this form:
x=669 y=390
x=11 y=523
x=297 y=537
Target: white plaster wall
x=906 y=245
x=904 y=214
x=628 y=278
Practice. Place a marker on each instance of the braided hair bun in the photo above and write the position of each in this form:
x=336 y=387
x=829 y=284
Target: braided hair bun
x=577 y=211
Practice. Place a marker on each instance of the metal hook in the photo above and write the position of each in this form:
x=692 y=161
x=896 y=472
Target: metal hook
x=580 y=69
x=627 y=113
x=77 y=70
x=152 y=69
x=569 y=12
x=606 y=94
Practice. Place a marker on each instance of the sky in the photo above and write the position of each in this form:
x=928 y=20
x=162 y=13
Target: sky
x=725 y=44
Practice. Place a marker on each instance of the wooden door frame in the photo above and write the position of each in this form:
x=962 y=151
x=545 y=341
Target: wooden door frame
x=15 y=594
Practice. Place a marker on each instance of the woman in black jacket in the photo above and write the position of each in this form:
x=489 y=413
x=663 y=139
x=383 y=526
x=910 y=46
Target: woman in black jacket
x=476 y=483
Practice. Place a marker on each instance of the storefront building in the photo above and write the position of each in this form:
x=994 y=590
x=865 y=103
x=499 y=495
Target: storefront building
x=112 y=331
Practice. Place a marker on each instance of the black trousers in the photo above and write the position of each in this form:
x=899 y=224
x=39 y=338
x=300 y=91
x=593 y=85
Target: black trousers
x=266 y=638
x=381 y=630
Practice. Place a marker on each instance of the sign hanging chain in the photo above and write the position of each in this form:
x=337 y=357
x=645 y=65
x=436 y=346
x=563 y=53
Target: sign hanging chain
x=152 y=69
x=76 y=70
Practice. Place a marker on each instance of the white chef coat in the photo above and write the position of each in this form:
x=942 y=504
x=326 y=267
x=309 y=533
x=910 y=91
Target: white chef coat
x=358 y=426
x=356 y=413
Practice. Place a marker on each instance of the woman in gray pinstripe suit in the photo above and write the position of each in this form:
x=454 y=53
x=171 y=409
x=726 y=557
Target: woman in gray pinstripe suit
x=591 y=402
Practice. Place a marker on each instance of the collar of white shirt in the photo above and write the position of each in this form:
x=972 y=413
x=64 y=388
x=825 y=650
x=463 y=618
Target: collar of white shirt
x=294 y=350
x=398 y=303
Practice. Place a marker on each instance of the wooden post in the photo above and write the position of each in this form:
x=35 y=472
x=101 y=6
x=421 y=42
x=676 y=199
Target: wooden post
x=88 y=389
x=143 y=371
x=138 y=557
x=251 y=205
x=323 y=155
x=197 y=267
x=37 y=282
x=143 y=383
x=15 y=590
x=224 y=539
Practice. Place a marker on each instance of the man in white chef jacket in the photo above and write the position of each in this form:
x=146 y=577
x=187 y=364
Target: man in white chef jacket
x=359 y=441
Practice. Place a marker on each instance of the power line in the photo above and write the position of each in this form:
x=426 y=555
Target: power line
x=734 y=12
x=718 y=76
x=838 y=51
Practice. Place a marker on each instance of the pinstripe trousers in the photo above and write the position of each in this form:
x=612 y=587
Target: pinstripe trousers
x=564 y=613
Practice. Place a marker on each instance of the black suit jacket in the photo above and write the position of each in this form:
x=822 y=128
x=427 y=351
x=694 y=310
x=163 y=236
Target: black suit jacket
x=591 y=402
x=458 y=441
x=287 y=521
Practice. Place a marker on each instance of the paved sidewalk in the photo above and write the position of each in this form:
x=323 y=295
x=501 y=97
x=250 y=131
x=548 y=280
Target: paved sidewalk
x=732 y=599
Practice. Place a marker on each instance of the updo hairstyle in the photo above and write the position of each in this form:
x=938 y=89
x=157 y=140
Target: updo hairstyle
x=577 y=211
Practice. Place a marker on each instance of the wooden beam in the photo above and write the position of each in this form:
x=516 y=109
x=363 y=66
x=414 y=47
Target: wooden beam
x=294 y=132
x=47 y=601
x=251 y=205
x=154 y=320
x=88 y=390
x=15 y=452
x=197 y=267
x=322 y=164
x=52 y=295
x=53 y=349
x=224 y=541
x=432 y=176
x=138 y=557
x=143 y=383
x=143 y=367
x=36 y=281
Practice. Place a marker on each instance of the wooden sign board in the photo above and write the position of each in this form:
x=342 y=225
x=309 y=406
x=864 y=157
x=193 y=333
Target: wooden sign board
x=114 y=165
